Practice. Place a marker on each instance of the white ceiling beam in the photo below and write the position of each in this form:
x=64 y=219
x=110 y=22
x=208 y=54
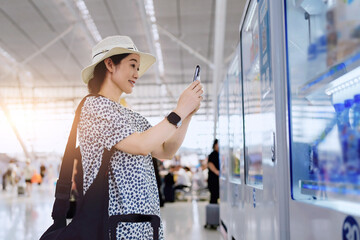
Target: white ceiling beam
x=186 y=47
x=49 y=44
x=219 y=36
x=19 y=65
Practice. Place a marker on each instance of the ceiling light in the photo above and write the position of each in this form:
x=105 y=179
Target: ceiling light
x=85 y=14
x=7 y=55
x=150 y=12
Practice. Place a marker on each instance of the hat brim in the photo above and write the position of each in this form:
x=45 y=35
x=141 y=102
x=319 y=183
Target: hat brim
x=146 y=60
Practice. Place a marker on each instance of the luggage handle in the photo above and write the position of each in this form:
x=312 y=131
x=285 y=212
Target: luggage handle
x=133 y=218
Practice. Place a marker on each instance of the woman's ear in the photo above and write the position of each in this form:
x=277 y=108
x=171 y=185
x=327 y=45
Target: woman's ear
x=109 y=64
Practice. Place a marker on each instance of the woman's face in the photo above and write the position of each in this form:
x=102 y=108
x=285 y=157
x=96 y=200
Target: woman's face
x=126 y=73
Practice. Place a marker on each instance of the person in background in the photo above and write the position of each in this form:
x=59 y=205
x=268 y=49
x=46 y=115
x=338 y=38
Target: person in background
x=213 y=175
x=169 y=191
x=42 y=172
x=28 y=174
x=158 y=180
x=199 y=178
x=183 y=179
x=6 y=179
x=13 y=168
x=189 y=174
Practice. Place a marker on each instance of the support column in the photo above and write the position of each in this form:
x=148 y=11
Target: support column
x=219 y=35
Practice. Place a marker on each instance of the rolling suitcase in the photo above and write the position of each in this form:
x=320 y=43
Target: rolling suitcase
x=21 y=190
x=212 y=216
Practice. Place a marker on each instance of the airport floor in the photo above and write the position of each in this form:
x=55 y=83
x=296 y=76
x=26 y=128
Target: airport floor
x=27 y=217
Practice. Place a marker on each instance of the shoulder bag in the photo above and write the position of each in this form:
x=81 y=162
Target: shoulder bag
x=92 y=220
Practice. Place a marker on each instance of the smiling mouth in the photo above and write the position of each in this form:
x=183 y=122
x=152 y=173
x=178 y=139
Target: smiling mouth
x=132 y=83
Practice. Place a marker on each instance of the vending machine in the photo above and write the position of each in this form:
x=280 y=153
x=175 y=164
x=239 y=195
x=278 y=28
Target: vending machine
x=253 y=207
x=295 y=100
x=323 y=106
x=260 y=203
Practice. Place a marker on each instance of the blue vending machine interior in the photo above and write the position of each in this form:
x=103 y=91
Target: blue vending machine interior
x=323 y=68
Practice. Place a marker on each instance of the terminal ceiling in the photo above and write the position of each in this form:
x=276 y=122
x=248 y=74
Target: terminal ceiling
x=45 y=44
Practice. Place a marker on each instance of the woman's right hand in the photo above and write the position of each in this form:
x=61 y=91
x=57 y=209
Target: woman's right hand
x=190 y=99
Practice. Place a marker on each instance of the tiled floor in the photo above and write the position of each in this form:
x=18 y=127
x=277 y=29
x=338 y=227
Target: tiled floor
x=26 y=218
x=186 y=220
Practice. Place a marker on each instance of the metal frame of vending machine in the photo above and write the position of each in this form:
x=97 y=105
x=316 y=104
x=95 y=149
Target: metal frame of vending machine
x=317 y=106
x=257 y=201
x=278 y=58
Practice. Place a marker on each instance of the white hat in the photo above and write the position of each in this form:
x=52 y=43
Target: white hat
x=115 y=45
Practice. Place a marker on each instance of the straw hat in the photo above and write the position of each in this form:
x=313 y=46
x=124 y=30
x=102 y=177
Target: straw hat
x=112 y=46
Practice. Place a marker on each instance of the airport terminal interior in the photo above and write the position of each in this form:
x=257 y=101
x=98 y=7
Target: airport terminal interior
x=272 y=153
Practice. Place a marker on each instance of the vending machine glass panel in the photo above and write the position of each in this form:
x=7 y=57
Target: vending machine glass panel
x=253 y=149
x=236 y=144
x=223 y=130
x=323 y=59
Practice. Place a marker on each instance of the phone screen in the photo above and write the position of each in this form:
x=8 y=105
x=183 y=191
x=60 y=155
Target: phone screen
x=197 y=73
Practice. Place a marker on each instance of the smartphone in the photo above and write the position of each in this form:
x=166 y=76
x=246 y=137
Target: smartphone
x=197 y=73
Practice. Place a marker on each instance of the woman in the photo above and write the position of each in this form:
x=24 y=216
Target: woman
x=28 y=175
x=104 y=123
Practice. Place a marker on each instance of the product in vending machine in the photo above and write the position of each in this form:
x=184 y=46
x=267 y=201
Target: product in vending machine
x=331 y=38
x=356 y=127
x=315 y=158
x=351 y=148
x=346 y=20
x=356 y=113
x=341 y=124
x=311 y=68
x=346 y=116
x=314 y=161
x=317 y=56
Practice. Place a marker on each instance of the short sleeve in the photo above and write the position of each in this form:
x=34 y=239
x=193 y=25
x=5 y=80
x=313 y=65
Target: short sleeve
x=212 y=158
x=146 y=124
x=113 y=122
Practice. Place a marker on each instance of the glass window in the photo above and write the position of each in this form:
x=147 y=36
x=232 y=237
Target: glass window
x=252 y=97
x=323 y=46
x=236 y=143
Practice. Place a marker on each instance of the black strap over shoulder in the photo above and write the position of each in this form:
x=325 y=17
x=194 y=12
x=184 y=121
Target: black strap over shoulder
x=64 y=183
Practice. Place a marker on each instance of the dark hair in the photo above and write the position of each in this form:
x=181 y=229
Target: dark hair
x=215 y=142
x=95 y=83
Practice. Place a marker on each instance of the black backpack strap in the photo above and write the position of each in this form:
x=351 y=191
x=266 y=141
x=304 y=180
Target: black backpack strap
x=134 y=218
x=64 y=183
